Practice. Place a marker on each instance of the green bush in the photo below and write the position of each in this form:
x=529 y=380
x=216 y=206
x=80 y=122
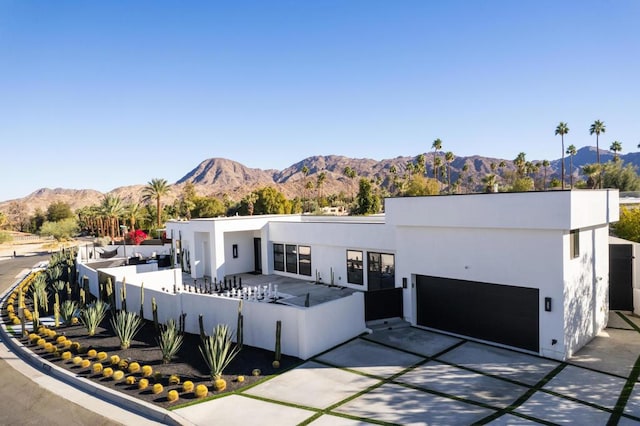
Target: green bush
x=5 y=237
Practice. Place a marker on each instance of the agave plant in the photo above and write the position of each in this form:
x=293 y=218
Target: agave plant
x=39 y=291
x=217 y=351
x=126 y=325
x=93 y=315
x=170 y=341
x=68 y=310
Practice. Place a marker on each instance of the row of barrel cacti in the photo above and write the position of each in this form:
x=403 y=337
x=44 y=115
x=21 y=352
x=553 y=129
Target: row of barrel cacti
x=16 y=300
x=113 y=367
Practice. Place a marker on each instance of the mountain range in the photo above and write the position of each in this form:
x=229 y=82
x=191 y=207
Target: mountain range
x=220 y=176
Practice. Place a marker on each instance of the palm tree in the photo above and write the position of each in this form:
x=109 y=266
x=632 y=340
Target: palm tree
x=489 y=182
x=448 y=158
x=545 y=164
x=591 y=171
x=350 y=173
x=156 y=189
x=562 y=129
x=521 y=164
x=598 y=127
x=437 y=146
x=322 y=176
x=571 y=151
x=421 y=168
x=112 y=208
x=616 y=147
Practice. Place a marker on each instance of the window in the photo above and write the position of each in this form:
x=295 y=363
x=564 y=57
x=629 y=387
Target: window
x=574 y=243
x=381 y=271
x=278 y=257
x=304 y=260
x=354 y=267
x=292 y=258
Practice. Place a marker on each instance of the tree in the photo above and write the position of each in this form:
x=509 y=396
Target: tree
x=545 y=165
x=155 y=190
x=437 y=146
x=419 y=186
x=421 y=167
x=616 y=147
x=598 y=127
x=61 y=230
x=521 y=164
x=522 y=184
x=305 y=188
x=322 y=176
x=207 y=207
x=271 y=201
x=571 y=151
x=350 y=173
x=617 y=175
x=628 y=227
x=489 y=181
x=562 y=129
x=58 y=210
x=448 y=158
x=591 y=171
x=367 y=201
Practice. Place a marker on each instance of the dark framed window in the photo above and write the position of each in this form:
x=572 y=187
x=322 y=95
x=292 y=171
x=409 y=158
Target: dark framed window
x=381 y=270
x=304 y=260
x=291 y=252
x=354 y=267
x=278 y=257
x=574 y=243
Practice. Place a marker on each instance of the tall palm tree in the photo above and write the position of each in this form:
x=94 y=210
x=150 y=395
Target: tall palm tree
x=545 y=164
x=112 y=208
x=322 y=176
x=421 y=167
x=437 y=146
x=571 y=151
x=562 y=129
x=521 y=164
x=155 y=190
x=351 y=174
x=598 y=127
x=489 y=181
x=448 y=158
x=616 y=147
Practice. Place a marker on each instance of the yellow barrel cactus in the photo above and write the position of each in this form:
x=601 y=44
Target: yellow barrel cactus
x=118 y=375
x=102 y=356
x=92 y=353
x=107 y=372
x=147 y=371
x=201 y=391
x=157 y=388
x=173 y=395
x=143 y=384
x=97 y=368
x=187 y=386
x=130 y=380
x=134 y=367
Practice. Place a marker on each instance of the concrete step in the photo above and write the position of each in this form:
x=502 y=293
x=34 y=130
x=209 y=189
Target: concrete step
x=387 y=324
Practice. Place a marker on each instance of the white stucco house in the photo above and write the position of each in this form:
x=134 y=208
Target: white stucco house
x=524 y=270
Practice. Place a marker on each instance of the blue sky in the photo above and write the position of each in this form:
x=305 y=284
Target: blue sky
x=104 y=94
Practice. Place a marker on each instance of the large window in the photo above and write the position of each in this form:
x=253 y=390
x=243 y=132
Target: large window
x=354 y=267
x=292 y=258
x=381 y=271
x=574 y=243
x=304 y=260
x=278 y=257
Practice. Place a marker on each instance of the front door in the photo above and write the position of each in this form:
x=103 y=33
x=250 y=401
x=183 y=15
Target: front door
x=257 y=255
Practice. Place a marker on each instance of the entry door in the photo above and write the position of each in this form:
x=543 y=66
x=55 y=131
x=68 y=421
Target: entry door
x=621 y=277
x=257 y=255
x=497 y=313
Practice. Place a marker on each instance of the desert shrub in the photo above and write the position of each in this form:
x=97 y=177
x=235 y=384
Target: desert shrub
x=187 y=386
x=93 y=315
x=126 y=325
x=201 y=391
x=170 y=341
x=217 y=350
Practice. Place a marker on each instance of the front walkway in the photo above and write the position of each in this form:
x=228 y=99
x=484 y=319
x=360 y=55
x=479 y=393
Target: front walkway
x=412 y=376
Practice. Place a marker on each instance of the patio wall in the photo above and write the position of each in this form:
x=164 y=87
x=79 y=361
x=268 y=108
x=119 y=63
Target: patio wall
x=305 y=331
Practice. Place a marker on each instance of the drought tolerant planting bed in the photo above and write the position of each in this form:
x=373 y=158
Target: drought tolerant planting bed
x=103 y=358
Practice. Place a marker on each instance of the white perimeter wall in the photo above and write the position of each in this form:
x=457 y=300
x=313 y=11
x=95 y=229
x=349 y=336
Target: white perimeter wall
x=305 y=331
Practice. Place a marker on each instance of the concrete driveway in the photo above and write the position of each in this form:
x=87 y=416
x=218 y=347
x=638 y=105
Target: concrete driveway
x=415 y=377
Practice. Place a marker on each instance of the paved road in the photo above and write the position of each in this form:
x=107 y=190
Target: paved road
x=24 y=402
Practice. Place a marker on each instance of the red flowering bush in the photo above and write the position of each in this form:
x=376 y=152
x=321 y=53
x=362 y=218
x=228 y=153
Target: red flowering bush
x=136 y=237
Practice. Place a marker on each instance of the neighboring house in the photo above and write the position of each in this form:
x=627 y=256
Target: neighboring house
x=525 y=270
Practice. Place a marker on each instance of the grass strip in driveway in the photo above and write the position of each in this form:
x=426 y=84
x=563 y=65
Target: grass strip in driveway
x=528 y=394
x=621 y=403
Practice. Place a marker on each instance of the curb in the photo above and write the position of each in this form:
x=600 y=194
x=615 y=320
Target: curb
x=124 y=401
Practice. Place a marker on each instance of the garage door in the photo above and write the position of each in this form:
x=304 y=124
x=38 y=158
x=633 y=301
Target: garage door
x=497 y=313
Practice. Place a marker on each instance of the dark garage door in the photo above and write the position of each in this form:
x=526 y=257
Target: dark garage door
x=497 y=313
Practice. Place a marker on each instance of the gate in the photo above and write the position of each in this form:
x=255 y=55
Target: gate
x=621 y=277
x=380 y=304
